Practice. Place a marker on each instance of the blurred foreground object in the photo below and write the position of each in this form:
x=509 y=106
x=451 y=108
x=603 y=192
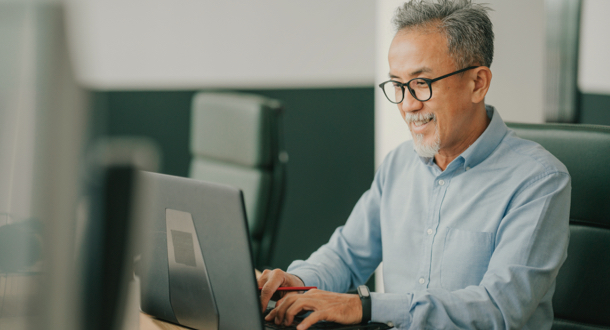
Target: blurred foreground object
x=110 y=237
x=43 y=117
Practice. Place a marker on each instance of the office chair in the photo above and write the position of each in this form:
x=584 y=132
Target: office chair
x=236 y=139
x=582 y=295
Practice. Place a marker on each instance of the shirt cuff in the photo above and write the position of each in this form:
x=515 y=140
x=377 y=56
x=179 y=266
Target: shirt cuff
x=391 y=308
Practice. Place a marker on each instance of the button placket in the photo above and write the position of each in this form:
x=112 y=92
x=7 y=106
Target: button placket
x=440 y=187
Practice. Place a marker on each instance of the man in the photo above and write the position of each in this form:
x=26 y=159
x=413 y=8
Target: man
x=470 y=221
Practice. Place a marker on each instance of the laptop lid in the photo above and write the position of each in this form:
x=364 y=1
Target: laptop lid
x=196 y=268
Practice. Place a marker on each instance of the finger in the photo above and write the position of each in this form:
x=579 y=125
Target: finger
x=286 y=294
x=275 y=279
x=271 y=315
x=262 y=279
x=298 y=306
x=281 y=307
x=312 y=319
x=312 y=291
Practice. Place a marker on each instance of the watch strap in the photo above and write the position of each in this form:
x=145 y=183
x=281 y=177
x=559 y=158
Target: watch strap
x=365 y=298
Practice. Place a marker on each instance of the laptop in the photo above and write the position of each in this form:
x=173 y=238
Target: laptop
x=196 y=268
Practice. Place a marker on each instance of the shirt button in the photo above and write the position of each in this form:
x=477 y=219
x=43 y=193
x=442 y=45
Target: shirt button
x=422 y=281
x=430 y=231
x=441 y=182
x=390 y=324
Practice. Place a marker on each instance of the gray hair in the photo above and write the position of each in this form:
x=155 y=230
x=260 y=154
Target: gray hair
x=467 y=27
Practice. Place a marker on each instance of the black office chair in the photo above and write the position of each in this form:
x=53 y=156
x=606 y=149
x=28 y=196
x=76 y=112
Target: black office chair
x=236 y=139
x=582 y=296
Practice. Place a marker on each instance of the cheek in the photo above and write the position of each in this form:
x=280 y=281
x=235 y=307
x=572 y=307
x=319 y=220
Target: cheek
x=449 y=124
x=441 y=124
x=402 y=113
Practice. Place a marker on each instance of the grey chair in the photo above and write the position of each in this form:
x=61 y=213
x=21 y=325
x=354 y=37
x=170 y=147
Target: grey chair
x=582 y=295
x=236 y=139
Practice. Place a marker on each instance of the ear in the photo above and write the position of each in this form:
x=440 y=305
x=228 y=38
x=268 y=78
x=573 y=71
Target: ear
x=482 y=79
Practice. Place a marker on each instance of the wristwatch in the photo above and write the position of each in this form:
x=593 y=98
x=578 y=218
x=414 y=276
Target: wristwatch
x=365 y=298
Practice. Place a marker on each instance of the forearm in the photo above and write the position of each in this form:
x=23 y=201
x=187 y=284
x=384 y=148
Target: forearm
x=323 y=270
x=337 y=266
x=351 y=255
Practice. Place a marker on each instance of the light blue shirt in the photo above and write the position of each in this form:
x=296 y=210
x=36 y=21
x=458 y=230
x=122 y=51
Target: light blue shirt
x=477 y=246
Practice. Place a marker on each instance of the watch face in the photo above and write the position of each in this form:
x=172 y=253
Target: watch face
x=363 y=290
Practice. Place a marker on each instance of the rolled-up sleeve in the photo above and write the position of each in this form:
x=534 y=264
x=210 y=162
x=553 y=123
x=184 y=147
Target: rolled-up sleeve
x=354 y=250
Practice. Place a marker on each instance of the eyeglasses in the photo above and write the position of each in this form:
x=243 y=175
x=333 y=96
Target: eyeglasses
x=420 y=88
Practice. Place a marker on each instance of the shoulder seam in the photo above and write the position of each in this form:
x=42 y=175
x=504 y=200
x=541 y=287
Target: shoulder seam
x=548 y=168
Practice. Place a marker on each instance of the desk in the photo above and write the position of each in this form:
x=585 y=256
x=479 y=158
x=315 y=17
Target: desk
x=147 y=322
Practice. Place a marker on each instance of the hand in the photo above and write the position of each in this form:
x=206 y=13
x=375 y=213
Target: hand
x=270 y=280
x=329 y=306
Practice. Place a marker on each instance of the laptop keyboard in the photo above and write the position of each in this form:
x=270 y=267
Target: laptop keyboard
x=325 y=325
x=331 y=325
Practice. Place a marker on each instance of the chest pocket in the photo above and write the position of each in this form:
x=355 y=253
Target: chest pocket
x=466 y=256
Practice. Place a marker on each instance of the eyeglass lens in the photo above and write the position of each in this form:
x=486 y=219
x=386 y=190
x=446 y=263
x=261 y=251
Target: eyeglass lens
x=419 y=89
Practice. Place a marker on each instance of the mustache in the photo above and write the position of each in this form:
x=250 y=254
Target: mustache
x=419 y=117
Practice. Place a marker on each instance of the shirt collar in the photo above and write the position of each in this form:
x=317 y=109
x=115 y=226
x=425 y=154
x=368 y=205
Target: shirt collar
x=484 y=145
x=487 y=142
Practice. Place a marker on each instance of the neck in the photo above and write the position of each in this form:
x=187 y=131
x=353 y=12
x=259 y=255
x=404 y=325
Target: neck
x=446 y=155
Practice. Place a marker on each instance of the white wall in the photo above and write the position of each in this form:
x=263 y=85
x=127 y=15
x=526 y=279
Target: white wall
x=390 y=129
x=517 y=87
x=187 y=44
x=594 y=52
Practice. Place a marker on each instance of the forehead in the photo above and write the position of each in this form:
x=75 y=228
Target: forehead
x=412 y=50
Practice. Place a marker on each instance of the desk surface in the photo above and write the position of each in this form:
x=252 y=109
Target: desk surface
x=147 y=322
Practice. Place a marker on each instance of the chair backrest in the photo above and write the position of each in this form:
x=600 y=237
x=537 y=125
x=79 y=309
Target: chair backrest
x=582 y=295
x=236 y=139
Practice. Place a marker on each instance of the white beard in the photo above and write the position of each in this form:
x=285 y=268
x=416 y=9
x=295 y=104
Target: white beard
x=426 y=150
x=423 y=149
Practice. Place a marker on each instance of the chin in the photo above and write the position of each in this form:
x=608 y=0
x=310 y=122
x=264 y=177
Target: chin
x=426 y=149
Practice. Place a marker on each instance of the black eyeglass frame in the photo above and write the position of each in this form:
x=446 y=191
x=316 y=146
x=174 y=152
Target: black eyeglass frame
x=427 y=80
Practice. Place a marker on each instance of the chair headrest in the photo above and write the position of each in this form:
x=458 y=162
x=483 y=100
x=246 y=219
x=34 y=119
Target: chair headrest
x=232 y=127
x=585 y=151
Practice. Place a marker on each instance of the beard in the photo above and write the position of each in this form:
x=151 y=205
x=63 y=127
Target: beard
x=427 y=150
x=422 y=148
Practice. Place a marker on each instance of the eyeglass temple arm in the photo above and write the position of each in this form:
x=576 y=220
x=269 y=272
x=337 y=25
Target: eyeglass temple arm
x=452 y=73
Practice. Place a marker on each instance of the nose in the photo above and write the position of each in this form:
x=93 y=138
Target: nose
x=409 y=103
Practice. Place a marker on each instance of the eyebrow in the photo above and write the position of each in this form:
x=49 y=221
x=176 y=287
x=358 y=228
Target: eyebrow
x=423 y=69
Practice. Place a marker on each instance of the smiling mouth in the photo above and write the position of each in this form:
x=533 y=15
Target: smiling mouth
x=421 y=119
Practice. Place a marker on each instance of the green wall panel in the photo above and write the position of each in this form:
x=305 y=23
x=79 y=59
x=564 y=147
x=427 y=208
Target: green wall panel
x=329 y=135
x=595 y=109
